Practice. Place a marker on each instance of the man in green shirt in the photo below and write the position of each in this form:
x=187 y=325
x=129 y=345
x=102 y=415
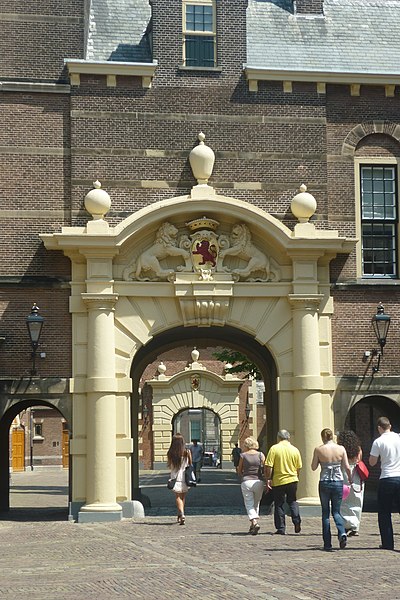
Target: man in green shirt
x=283 y=462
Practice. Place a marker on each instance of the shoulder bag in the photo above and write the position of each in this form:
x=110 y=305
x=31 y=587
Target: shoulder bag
x=190 y=476
x=261 y=469
x=171 y=484
x=362 y=470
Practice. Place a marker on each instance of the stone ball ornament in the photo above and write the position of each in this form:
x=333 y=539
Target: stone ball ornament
x=202 y=160
x=97 y=201
x=303 y=205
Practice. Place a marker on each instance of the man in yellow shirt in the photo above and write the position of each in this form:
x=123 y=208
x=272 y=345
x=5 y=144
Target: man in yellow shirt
x=283 y=462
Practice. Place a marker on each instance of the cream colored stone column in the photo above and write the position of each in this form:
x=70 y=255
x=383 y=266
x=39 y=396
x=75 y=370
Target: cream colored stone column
x=101 y=411
x=307 y=385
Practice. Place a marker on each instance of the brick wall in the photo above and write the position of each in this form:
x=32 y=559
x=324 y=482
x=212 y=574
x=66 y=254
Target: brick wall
x=309 y=6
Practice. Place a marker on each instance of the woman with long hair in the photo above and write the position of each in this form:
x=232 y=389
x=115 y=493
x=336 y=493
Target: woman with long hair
x=352 y=506
x=178 y=458
x=333 y=461
x=250 y=467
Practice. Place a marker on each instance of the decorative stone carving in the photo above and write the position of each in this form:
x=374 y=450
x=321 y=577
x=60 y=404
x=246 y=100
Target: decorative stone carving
x=303 y=205
x=97 y=202
x=203 y=252
x=147 y=266
x=201 y=160
x=242 y=247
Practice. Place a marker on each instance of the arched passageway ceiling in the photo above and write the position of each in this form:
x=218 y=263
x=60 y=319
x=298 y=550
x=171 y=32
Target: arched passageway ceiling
x=210 y=336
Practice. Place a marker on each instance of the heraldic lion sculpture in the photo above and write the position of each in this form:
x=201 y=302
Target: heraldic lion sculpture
x=148 y=263
x=242 y=247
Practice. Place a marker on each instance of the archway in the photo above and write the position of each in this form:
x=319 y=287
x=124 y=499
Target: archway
x=218 y=267
x=16 y=408
x=211 y=336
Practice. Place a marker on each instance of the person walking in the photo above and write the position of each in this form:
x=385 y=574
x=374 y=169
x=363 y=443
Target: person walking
x=250 y=469
x=333 y=459
x=283 y=462
x=178 y=458
x=236 y=452
x=387 y=448
x=351 y=507
x=197 y=456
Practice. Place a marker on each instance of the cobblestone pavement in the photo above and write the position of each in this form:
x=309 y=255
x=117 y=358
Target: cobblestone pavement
x=211 y=557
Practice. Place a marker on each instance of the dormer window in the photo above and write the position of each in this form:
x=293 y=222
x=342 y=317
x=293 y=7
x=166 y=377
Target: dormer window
x=199 y=34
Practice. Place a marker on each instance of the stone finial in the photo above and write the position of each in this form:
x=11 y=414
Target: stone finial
x=97 y=202
x=161 y=368
x=201 y=160
x=303 y=205
x=195 y=354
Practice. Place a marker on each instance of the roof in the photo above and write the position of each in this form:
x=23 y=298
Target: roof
x=117 y=31
x=352 y=36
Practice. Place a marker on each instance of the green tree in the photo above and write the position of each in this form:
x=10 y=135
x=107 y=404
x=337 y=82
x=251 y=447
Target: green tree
x=239 y=361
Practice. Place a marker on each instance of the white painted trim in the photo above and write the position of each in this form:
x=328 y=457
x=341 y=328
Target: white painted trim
x=264 y=74
x=96 y=67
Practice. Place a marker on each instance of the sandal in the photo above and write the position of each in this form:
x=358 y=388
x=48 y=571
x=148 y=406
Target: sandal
x=256 y=529
x=181 y=519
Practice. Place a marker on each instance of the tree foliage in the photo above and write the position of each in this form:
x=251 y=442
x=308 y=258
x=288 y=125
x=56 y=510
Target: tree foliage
x=239 y=361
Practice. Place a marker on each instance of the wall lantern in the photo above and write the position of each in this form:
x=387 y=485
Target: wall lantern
x=145 y=414
x=380 y=324
x=34 y=323
x=247 y=411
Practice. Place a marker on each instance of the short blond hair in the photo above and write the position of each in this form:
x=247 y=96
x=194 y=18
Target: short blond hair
x=250 y=443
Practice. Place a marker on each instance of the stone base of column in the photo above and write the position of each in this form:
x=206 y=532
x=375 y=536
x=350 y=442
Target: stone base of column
x=99 y=517
x=130 y=509
x=309 y=507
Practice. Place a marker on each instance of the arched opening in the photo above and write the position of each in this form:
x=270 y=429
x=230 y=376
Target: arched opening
x=39 y=433
x=201 y=337
x=362 y=419
x=203 y=425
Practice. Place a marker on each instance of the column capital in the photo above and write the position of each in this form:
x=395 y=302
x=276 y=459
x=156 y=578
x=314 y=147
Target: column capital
x=99 y=301
x=305 y=301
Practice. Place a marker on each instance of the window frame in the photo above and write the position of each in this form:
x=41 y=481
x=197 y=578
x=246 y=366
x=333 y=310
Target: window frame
x=367 y=161
x=190 y=32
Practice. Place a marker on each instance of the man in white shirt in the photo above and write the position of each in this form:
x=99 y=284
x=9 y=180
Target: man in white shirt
x=387 y=448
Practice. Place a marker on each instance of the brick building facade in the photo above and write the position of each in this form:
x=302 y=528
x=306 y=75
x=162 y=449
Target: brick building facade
x=287 y=92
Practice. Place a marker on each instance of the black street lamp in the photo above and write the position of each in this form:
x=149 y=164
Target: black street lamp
x=34 y=323
x=380 y=325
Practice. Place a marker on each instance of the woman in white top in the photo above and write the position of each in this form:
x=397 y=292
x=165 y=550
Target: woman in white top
x=351 y=509
x=179 y=457
x=333 y=459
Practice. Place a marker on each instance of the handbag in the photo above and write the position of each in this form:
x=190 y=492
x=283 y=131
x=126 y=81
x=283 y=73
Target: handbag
x=260 y=473
x=171 y=484
x=362 y=470
x=190 y=476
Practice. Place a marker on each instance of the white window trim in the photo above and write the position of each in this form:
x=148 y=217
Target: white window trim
x=373 y=160
x=186 y=32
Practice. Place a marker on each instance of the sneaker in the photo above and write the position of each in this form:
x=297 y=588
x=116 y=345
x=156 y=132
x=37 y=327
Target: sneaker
x=330 y=549
x=343 y=541
x=297 y=527
x=280 y=532
x=352 y=533
x=256 y=529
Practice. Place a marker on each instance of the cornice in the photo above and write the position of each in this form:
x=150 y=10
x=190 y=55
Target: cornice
x=29 y=86
x=111 y=69
x=321 y=78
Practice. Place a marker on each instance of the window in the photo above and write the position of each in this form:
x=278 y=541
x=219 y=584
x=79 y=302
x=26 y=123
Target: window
x=199 y=34
x=378 y=193
x=38 y=430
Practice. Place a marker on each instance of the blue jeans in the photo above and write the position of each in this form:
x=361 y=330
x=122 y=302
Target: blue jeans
x=331 y=493
x=388 y=492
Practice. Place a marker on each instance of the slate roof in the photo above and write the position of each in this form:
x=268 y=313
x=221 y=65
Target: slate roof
x=117 y=31
x=353 y=36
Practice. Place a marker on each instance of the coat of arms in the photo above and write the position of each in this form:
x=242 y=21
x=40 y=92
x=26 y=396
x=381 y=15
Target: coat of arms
x=204 y=244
